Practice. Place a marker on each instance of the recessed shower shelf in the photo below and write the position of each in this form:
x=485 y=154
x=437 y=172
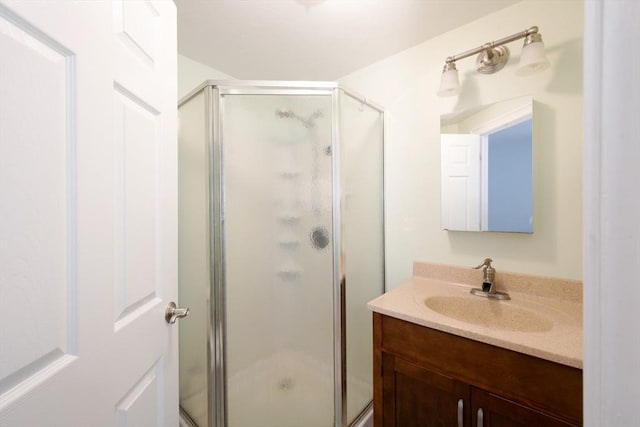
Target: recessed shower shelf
x=289 y=217
x=289 y=174
x=289 y=243
x=289 y=273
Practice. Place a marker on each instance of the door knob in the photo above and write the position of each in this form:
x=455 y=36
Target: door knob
x=173 y=312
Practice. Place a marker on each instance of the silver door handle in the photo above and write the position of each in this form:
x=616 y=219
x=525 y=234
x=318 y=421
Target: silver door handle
x=172 y=313
x=460 y=412
x=480 y=418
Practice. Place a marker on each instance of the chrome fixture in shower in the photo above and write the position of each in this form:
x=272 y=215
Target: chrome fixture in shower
x=309 y=122
x=319 y=237
x=279 y=334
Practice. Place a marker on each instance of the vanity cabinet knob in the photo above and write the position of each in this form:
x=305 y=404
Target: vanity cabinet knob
x=460 y=413
x=480 y=418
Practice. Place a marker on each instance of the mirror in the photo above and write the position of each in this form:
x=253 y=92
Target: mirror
x=487 y=168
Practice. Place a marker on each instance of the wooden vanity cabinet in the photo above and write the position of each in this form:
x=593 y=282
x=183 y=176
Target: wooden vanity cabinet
x=424 y=377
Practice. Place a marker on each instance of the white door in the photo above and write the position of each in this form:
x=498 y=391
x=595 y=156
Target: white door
x=87 y=213
x=460 y=182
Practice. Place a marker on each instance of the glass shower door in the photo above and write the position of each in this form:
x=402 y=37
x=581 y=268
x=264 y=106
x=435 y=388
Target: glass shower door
x=194 y=260
x=362 y=158
x=278 y=265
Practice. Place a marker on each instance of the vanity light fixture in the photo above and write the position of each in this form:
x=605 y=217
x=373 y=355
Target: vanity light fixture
x=493 y=56
x=449 y=85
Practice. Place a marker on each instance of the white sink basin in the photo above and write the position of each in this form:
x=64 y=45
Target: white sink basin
x=489 y=313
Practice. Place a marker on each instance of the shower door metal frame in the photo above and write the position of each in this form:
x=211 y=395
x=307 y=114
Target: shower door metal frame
x=339 y=276
x=216 y=329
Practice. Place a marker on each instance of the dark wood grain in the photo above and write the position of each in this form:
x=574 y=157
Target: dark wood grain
x=426 y=398
x=500 y=412
x=377 y=369
x=550 y=389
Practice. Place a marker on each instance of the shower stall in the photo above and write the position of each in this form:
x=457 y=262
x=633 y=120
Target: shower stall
x=281 y=234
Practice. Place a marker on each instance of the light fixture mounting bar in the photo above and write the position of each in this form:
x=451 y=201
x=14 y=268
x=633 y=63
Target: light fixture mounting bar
x=490 y=45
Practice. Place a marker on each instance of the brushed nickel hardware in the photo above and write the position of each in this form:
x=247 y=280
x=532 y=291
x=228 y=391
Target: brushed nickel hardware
x=489 y=274
x=480 y=417
x=172 y=313
x=460 y=413
x=493 y=56
x=488 y=282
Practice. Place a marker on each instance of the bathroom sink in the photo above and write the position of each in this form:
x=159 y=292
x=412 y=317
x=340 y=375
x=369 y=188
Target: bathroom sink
x=488 y=313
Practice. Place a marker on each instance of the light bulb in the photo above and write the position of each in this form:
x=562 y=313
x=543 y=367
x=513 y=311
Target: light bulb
x=533 y=58
x=449 y=84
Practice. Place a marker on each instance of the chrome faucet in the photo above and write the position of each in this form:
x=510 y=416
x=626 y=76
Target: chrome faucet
x=488 y=282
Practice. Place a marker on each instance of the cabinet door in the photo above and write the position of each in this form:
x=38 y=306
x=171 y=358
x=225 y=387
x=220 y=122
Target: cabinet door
x=490 y=410
x=415 y=396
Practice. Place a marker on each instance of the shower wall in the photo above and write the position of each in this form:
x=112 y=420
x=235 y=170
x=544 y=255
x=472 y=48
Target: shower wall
x=277 y=189
x=278 y=161
x=279 y=292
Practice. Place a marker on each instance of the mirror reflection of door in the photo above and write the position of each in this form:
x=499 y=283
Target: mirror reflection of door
x=487 y=168
x=460 y=182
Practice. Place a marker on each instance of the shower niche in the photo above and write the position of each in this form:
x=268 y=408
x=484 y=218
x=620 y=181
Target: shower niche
x=281 y=240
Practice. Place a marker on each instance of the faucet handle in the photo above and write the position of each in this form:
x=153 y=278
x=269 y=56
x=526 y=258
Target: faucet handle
x=486 y=263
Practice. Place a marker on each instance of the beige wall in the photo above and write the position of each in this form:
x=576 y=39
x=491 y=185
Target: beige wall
x=191 y=73
x=406 y=85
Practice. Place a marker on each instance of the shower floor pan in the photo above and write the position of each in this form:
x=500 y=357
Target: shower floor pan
x=289 y=389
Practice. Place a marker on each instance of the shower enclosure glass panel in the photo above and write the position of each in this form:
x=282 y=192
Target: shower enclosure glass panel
x=281 y=246
x=361 y=168
x=194 y=259
x=277 y=231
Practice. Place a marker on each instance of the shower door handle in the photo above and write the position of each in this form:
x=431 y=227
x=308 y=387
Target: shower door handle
x=172 y=313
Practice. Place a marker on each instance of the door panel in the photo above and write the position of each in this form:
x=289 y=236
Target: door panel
x=87 y=215
x=422 y=397
x=136 y=196
x=37 y=206
x=460 y=186
x=140 y=406
x=145 y=211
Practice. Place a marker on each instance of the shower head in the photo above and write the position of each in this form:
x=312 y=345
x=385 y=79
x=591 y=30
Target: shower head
x=309 y=122
x=284 y=114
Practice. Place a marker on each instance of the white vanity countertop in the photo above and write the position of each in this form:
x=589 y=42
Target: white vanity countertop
x=554 y=332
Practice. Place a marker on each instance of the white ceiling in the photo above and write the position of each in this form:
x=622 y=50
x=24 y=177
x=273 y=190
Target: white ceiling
x=313 y=39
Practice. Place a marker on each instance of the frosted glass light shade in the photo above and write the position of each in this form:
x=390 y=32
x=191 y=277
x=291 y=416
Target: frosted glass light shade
x=449 y=84
x=533 y=59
